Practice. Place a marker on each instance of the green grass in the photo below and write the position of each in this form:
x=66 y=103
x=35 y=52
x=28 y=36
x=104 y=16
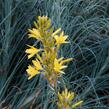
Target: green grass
x=87 y=24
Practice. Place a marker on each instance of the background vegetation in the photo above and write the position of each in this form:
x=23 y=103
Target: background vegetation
x=87 y=24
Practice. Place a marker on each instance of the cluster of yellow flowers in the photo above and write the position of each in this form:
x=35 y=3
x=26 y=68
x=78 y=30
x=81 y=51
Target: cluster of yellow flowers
x=65 y=100
x=46 y=59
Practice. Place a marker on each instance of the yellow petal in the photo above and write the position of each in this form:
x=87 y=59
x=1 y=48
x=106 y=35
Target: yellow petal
x=60 y=59
x=60 y=96
x=37 y=64
x=34 y=33
x=38 y=56
x=66 y=60
x=32 y=51
x=62 y=67
x=56 y=32
x=32 y=72
x=77 y=104
x=62 y=72
x=60 y=39
x=66 y=92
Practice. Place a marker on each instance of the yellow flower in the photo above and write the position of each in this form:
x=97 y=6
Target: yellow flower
x=65 y=100
x=37 y=65
x=32 y=72
x=34 y=33
x=65 y=95
x=61 y=39
x=43 y=23
x=58 y=64
x=32 y=51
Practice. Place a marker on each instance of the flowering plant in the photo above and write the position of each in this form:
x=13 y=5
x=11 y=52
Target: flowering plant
x=47 y=61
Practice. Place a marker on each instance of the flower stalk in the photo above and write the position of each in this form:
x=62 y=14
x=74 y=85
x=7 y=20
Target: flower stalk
x=46 y=59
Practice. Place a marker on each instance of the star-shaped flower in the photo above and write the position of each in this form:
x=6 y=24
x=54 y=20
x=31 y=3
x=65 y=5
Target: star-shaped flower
x=32 y=51
x=59 y=64
x=35 y=69
x=34 y=33
x=32 y=71
x=61 y=39
x=65 y=100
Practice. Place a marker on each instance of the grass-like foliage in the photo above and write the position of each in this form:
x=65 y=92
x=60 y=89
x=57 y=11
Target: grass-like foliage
x=87 y=24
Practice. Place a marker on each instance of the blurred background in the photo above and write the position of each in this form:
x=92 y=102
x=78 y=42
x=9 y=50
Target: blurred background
x=86 y=22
